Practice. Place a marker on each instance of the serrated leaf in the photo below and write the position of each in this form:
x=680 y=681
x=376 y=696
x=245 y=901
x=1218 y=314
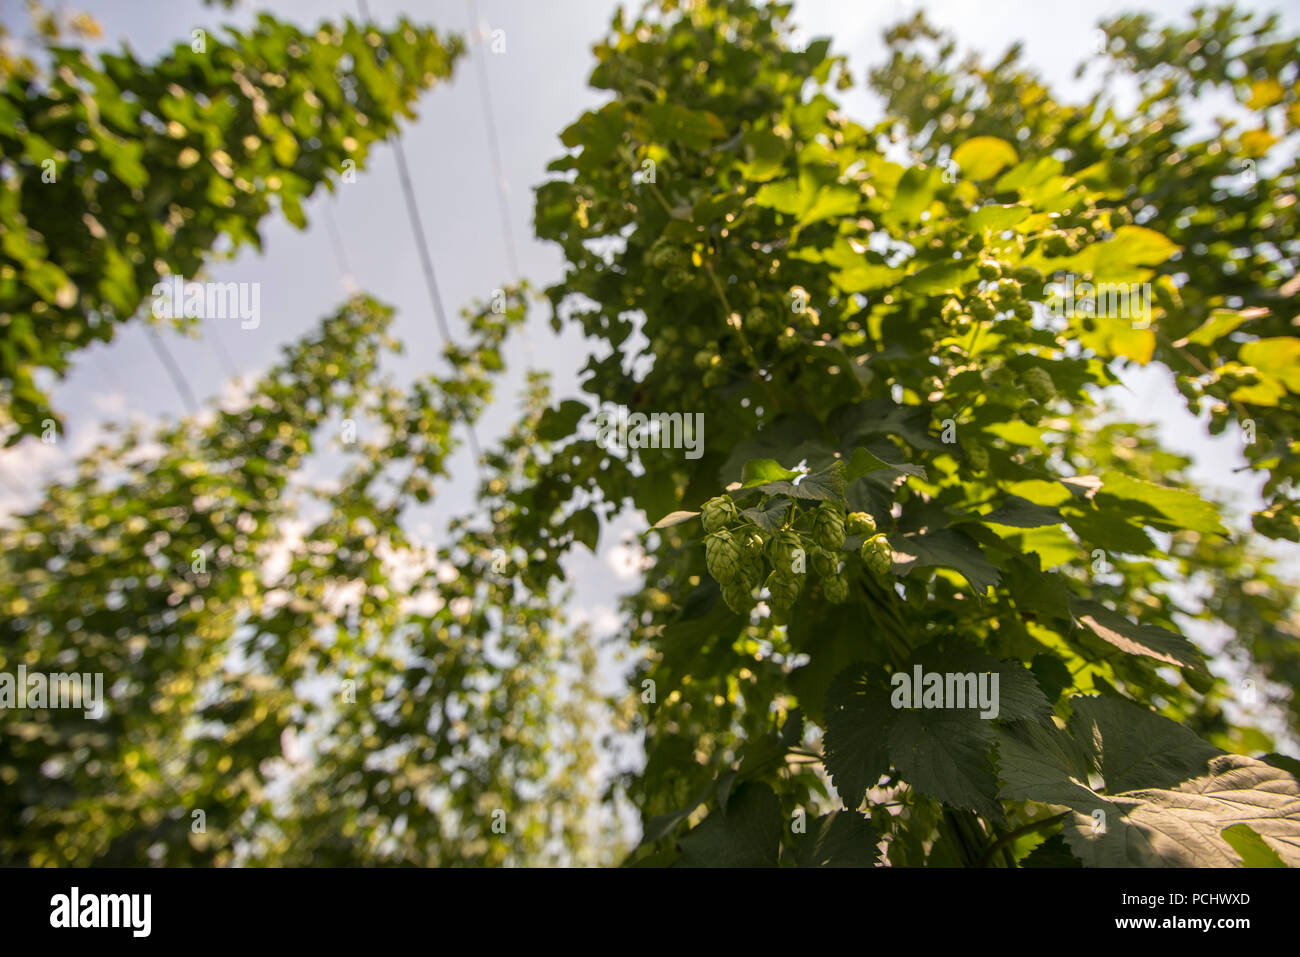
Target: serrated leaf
x=1053 y=852
x=946 y=548
x=863 y=462
x=824 y=485
x=771 y=516
x=857 y=719
x=1168 y=508
x=1133 y=747
x=839 y=839
x=747 y=834
x=944 y=755
x=1022 y=513
x=1148 y=640
x=1039 y=762
x=1184 y=827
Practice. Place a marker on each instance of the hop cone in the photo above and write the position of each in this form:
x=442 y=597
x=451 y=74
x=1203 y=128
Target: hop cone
x=1038 y=383
x=878 y=556
x=718 y=513
x=828 y=526
x=721 y=556
x=784 y=589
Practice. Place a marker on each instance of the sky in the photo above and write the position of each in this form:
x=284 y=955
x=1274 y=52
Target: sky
x=537 y=87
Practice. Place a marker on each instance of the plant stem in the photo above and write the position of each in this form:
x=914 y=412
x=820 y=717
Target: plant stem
x=1006 y=839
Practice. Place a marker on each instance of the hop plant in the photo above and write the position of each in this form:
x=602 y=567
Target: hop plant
x=665 y=254
x=828 y=526
x=678 y=279
x=738 y=595
x=1031 y=411
x=861 y=523
x=1056 y=244
x=783 y=587
x=982 y=309
x=877 y=555
x=823 y=562
x=721 y=556
x=718 y=512
x=1007 y=294
x=781 y=548
x=836 y=589
x=751 y=561
x=989 y=269
x=1023 y=311
x=1038 y=383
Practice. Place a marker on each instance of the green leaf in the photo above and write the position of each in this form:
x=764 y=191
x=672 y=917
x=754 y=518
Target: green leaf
x=996 y=219
x=1184 y=827
x=1053 y=852
x=1254 y=850
x=983 y=157
x=839 y=839
x=697 y=129
x=585 y=526
x=561 y=422
x=1134 y=245
x=762 y=471
x=857 y=718
x=1022 y=513
x=1039 y=762
x=771 y=516
x=864 y=462
x=1168 y=508
x=946 y=548
x=1220 y=323
x=1148 y=640
x=914 y=194
x=944 y=754
x=824 y=485
x=1277 y=357
x=944 y=277
x=1134 y=747
x=747 y=834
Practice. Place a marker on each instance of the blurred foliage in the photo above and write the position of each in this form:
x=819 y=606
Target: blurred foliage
x=292 y=678
x=1222 y=188
x=116 y=172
